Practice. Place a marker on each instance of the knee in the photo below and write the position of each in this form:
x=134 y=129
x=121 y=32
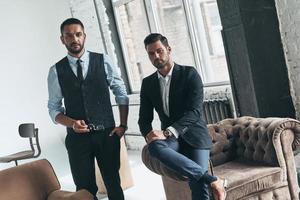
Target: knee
x=155 y=147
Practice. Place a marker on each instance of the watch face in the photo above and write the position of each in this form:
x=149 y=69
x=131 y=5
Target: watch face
x=167 y=133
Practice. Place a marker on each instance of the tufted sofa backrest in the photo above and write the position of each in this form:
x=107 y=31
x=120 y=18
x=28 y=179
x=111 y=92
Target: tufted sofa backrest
x=223 y=149
x=245 y=138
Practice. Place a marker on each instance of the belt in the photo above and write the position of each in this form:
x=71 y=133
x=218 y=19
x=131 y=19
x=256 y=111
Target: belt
x=93 y=127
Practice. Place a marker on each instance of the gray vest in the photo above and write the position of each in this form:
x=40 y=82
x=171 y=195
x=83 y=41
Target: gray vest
x=89 y=100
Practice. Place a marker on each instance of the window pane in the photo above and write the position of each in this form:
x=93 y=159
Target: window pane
x=212 y=28
x=133 y=29
x=172 y=22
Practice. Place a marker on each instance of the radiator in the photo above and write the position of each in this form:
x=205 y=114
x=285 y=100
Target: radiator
x=215 y=110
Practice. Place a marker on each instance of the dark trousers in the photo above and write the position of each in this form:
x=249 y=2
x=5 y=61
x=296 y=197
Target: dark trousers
x=188 y=161
x=82 y=151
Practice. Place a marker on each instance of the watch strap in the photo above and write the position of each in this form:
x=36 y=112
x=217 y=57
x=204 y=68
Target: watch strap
x=124 y=126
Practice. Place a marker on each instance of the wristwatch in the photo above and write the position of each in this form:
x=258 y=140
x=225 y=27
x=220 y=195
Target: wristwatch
x=124 y=126
x=167 y=133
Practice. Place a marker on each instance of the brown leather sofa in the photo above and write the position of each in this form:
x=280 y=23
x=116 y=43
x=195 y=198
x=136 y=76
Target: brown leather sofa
x=35 y=181
x=255 y=155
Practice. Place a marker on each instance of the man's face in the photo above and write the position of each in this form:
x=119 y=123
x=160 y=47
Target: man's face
x=73 y=37
x=158 y=54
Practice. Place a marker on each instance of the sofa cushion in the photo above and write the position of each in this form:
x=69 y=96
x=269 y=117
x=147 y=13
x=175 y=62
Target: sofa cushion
x=248 y=178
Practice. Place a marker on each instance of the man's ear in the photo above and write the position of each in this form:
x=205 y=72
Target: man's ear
x=169 y=48
x=62 y=39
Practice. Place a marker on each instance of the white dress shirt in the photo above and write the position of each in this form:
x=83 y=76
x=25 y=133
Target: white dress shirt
x=164 y=83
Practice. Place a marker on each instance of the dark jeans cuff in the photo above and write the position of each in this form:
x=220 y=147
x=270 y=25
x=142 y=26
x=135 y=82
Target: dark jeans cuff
x=209 y=178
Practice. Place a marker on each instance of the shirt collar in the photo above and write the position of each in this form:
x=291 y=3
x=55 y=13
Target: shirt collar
x=84 y=57
x=168 y=75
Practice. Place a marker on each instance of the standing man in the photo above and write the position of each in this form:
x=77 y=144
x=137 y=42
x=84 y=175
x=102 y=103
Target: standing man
x=183 y=143
x=82 y=79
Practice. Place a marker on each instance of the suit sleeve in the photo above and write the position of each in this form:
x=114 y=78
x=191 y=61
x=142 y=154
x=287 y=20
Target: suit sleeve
x=146 y=111
x=193 y=108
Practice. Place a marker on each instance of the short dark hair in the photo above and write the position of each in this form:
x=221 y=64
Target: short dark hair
x=154 y=37
x=70 y=21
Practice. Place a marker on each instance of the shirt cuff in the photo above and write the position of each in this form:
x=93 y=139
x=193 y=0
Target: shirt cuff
x=173 y=131
x=124 y=100
x=53 y=115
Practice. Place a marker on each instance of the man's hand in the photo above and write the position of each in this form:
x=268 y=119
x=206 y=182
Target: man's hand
x=119 y=131
x=155 y=135
x=79 y=126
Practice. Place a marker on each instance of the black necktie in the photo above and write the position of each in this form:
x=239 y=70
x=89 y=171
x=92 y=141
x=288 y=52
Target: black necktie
x=79 y=71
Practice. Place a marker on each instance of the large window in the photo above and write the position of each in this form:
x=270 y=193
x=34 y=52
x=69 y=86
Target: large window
x=172 y=24
x=133 y=26
x=211 y=28
x=192 y=26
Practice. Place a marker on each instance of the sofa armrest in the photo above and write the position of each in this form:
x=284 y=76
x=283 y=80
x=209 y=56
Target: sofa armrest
x=65 y=195
x=286 y=140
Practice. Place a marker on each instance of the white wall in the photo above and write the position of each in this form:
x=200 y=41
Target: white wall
x=29 y=39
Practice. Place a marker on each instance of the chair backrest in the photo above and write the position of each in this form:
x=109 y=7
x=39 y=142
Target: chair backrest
x=28 y=130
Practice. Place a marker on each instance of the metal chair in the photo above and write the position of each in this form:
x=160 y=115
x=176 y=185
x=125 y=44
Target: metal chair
x=26 y=130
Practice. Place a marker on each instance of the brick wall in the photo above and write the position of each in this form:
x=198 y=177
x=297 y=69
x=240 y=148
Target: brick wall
x=289 y=22
x=85 y=11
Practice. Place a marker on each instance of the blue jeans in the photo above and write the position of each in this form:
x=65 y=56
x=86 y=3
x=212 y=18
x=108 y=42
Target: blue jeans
x=186 y=160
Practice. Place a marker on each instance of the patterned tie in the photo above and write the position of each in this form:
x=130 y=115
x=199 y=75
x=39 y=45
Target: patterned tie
x=79 y=70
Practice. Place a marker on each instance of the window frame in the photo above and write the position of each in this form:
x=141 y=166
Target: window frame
x=200 y=54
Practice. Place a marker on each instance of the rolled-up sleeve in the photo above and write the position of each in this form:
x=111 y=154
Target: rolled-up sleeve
x=55 y=95
x=115 y=81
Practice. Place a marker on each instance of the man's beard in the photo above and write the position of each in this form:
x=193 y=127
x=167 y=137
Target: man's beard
x=161 y=65
x=74 y=51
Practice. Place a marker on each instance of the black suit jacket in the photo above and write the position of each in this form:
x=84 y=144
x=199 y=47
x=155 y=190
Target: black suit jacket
x=185 y=106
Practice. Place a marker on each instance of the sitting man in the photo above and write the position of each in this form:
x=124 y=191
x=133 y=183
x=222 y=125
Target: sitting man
x=183 y=144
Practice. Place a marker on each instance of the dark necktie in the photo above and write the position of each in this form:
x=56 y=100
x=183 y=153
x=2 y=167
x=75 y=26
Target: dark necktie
x=79 y=71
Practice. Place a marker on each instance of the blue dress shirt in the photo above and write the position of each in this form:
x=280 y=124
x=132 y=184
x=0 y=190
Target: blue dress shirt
x=113 y=77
